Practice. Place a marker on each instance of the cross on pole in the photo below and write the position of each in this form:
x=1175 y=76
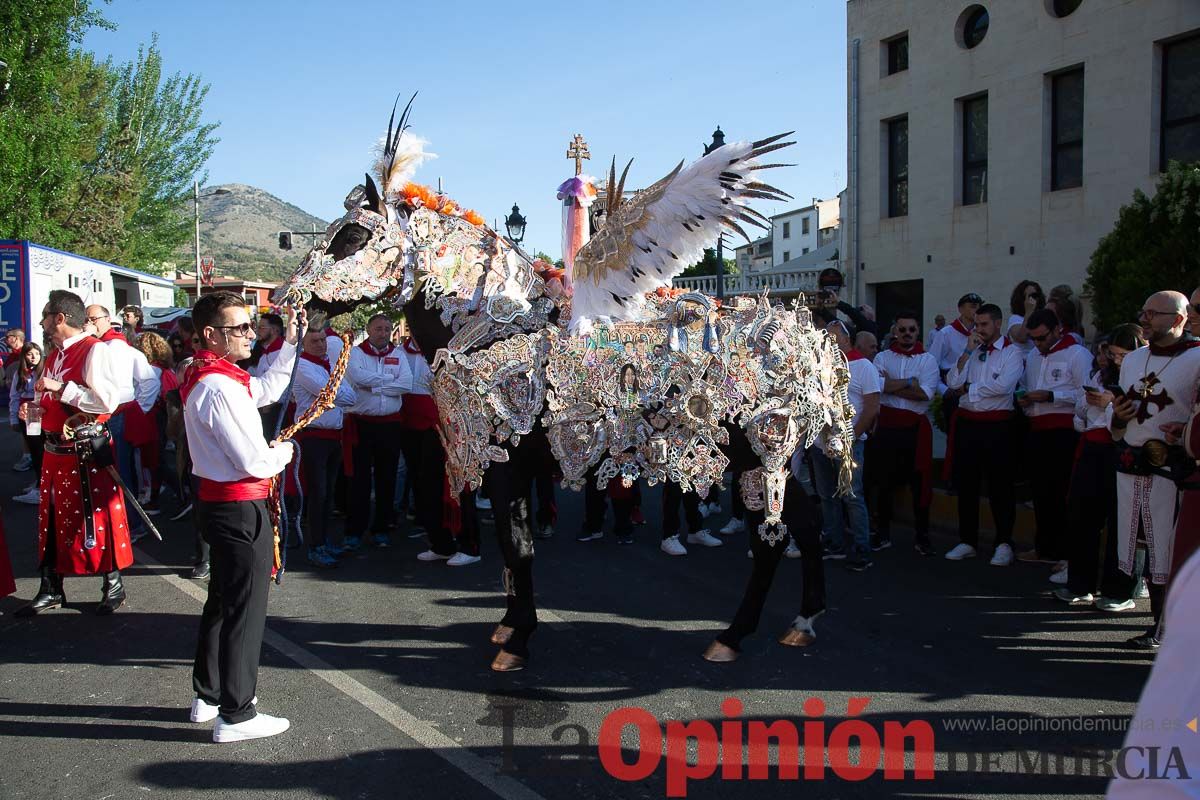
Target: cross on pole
x=578 y=150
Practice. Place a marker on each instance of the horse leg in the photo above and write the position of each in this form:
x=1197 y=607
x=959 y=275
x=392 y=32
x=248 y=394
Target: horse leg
x=510 y=511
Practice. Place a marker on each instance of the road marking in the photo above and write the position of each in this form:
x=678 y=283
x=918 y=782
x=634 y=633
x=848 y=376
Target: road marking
x=414 y=728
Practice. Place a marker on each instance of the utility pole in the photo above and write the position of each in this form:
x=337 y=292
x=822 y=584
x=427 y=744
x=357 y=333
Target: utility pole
x=196 y=199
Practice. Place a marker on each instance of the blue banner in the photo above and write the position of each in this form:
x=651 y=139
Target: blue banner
x=14 y=288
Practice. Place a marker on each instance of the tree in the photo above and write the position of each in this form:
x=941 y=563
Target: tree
x=1155 y=245
x=708 y=265
x=53 y=103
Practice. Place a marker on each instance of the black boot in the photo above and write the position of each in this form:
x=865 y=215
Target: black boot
x=50 y=594
x=112 y=593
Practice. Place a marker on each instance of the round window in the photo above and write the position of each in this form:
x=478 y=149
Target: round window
x=1061 y=8
x=972 y=26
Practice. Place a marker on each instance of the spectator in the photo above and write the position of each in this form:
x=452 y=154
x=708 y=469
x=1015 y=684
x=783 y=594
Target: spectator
x=379 y=376
x=980 y=444
x=1027 y=297
x=866 y=344
x=187 y=331
x=321 y=446
x=829 y=288
x=901 y=451
x=1064 y=304
x=131 y=320
x=841 y=513
x=153 y=453
x=1055 y=373
x=20 y=394
x=1194 y=314
x=14 y=341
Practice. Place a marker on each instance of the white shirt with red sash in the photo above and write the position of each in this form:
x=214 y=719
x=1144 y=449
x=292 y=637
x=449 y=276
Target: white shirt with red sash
x=224 y=430
x=380 y=377
x=312 y=376
x=93 y=382
x=896 y=412
x=1062 y=372
x=947 y=346
x=419 y=411
x=269 y=354
x=992 y=372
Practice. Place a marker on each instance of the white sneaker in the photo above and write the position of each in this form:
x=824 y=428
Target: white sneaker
x=461 y=560
x=1003 y=557
x=792 y=551
x=672 y=546
x=429 y=555
x=960 y=551
x=734 y=525
x=33 y=497
x=23 y=463
x=203 y=712
x=1059 y=577
x=705 y=538
x=257 y=727
x=1142 y=592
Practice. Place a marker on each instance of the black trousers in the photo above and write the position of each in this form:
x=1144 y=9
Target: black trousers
x=1091 y=508
x=984 y=449
x=320 y=462
x=425 y=462
x=229 y=645
x=672 y=497
x=36 y=448
x=507 y=487
x=800 y=516
x=891 y=457
x=376 y=458
x=1049 y=462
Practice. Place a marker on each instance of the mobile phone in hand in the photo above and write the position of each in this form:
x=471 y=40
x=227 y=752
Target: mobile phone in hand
x=1114 y=389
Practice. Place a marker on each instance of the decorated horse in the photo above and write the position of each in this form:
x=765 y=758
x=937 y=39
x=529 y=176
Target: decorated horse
x=611 y=372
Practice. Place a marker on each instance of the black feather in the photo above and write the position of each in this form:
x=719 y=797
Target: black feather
x=769 y=139
x=771 y=166
x=762 y=151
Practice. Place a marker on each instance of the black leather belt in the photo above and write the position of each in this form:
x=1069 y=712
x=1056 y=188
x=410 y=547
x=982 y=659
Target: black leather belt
x=57 y=445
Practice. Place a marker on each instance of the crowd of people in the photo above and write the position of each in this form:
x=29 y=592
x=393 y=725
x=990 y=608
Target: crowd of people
x=1099 y=439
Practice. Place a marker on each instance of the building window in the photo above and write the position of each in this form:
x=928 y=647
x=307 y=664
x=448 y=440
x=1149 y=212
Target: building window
x=897 y=161
x=787 y=230
x=787 y=255
x=972 y=26
x=974 y=150
x=897 y=54
x=1066 y=130
x=804 y=226
x=805 y=252
x=1180 y=102
x=1062 y=8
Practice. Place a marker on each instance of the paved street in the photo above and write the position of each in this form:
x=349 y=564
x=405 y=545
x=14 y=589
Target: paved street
x=382 y=667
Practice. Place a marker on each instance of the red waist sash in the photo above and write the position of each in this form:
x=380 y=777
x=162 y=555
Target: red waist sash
x=902 y=418
x=232 y=491
x=1052 y=422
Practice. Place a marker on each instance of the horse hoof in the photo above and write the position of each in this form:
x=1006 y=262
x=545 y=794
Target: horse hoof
x=720 y=653
x=507 y=662
x=502 y=634
x=794 y=638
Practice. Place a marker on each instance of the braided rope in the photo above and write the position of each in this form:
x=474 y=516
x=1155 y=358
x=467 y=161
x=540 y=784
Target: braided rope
x=324 y=401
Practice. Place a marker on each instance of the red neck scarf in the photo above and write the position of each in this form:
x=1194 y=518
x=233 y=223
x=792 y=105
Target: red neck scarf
x=367 y=348
x=916 y=350
x=958 y=326
x=206 y=362
x=1063 y=343
x=113 y=335
x=1186 y=343
x=320 y=362
x=274 y=346
x=410 y=346
x=854 y=355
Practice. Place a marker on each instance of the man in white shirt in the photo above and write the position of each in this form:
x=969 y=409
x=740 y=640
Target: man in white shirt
x=380 y=376
x=901 y=450
x=234 y=465
x=981 y=434
x=951 y=340
x=842 y=512
x=1055 y=373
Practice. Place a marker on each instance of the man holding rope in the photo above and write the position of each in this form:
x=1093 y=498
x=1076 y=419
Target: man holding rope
x=234 y=464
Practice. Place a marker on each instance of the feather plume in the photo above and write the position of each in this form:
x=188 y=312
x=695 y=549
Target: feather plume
x=652 y=237
x=397 y=167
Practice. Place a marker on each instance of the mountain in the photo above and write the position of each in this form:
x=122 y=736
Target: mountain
x=239 y=228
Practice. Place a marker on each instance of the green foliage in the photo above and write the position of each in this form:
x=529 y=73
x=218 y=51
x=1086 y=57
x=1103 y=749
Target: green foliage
x=1155 y=245
x=708 y=265
x=95 y=158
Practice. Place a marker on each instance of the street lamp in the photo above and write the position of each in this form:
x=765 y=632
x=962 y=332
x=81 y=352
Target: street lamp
x=718 y=141
x=514 y=223
x=196 y=199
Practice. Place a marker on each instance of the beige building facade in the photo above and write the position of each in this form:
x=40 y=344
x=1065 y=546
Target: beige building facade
x=996 y=141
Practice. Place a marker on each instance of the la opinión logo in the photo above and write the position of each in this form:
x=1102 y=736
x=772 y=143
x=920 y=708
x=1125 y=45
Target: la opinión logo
x=737 y=749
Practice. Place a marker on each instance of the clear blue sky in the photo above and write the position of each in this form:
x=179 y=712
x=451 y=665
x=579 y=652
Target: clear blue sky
x=303 y=89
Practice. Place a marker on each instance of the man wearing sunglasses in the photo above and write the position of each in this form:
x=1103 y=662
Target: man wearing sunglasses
x=1055 y=372
x=1158 y=386
x=234 y=464
x=901 y=451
